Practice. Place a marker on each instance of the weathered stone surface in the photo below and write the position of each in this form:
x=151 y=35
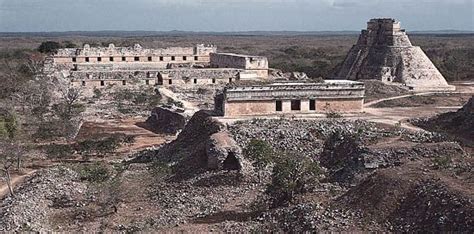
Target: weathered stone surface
x=223 y=152
x=298 y=76
x=203 y=144
x=166 y=120
x=385 y=53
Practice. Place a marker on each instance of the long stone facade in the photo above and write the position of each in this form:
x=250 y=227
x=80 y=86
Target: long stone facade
x=131 y=57
x=121 y=66
x=384 y=52
x=291 y=98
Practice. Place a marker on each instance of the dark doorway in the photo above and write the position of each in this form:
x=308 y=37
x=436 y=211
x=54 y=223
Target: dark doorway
x=312 y=104
x=231 y=162
x=278 y=106
x=295 y=105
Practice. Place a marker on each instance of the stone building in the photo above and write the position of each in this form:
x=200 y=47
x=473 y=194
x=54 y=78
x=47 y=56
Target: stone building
x=257 y=64
x=291 y=98
x=133 y=58
x=121 y=66
x=384 y=52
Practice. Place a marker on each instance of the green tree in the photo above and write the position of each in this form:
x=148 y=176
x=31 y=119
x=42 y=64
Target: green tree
x=261 y=152
x=8 y=125
x=291 y=175
x=49 y=47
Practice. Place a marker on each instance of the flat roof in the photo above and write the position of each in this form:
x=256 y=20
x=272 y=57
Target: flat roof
x=240 y=55
x=295 y=85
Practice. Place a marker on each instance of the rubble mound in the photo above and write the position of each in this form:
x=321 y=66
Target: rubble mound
x=459 y=123
x=412 y=201
x=384 y=52
x=166 y=120
x=348 y=161
x=306 y=137
x=203 y=144
x=375 y=89
x=36 y=199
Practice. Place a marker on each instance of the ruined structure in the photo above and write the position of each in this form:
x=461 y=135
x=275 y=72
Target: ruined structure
x=166 y=119
x=103 y=66
x=257 y=66
x=384 y=52
x=291 y=98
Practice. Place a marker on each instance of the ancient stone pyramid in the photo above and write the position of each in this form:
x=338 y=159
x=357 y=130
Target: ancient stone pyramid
x=385 y=53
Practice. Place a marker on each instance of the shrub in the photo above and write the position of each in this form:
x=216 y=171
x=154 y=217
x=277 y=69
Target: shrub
x=48 y=130
x=96 y=172
x=441 y=162
x=97 y=93
x=8 y=126
x=333 y=115
x=100 y=146
x=261 y=152
x=58 y=151
x=160 y=169
x=291 y=175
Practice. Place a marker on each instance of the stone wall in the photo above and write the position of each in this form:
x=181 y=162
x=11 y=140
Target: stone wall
x=136 y=50
x=256 y=108
x=164 y=77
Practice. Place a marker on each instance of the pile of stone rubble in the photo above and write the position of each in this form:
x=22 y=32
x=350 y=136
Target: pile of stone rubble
x=30 y=209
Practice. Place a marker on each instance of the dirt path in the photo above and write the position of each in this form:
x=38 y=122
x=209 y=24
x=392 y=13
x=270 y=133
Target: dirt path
x=460 y=90
x=397 y=97
x=136 y=127
x=16 y=180
x=399 y=115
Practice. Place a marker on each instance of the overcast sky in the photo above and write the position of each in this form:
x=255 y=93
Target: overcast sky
x=230 y=15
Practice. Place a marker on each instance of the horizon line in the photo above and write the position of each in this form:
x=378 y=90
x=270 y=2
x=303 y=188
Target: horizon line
x=237 y=31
